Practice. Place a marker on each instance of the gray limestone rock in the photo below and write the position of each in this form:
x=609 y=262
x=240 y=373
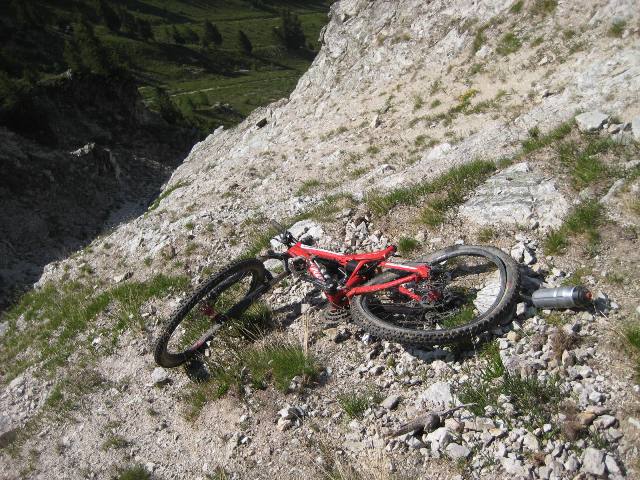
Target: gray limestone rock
x=591 y=121
x=457 y=451
x=593 y=461
x=635 y=128
x=516 y=196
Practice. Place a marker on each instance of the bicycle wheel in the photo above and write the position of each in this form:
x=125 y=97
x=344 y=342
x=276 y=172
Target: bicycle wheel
x=475 y=289
x=225 y=296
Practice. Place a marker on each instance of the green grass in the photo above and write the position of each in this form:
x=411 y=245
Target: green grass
x=486 y=234
x=577 y=277
x=543 y=7
x=462 y=317
x=406 y=245
x=479 y=38
x=165 y=194
x=308 y=186
x=516 y=7
x=617 y=28
x=539 y=400
x=134 y=472
x=537 y=140
x=418 y=102
x=631 y=333
x=585 y=166
x=435 y=103
x=115 y=441
x=584 y=219
x=556 y=242
x=276 y=363
x=354 y=404
x=453 y=184
x=373 y=150
x=55 y=315
x=509 y=43
x=323 y=211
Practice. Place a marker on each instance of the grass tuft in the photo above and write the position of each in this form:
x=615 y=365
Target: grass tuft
x=508 y=44
x=244 y=363
x=585 y=219
x=165 y=194
x=135 y=472
x=354 y=404
x=406 y=245
x=486 y=234
x=308 y=186
x=617 y=28
x=536 y=140
x=539 y=400
x=543 y=7
x=516 y=7
x=454 y=184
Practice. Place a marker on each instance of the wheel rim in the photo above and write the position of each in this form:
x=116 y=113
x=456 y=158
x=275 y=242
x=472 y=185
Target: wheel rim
x=230 y=303
x=467 y=285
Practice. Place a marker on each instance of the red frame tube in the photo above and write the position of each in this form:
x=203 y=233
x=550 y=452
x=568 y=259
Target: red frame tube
x=353 y=285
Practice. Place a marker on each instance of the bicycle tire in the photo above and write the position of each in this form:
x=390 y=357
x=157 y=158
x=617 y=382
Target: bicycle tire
x=502 y=307
x=161 y=353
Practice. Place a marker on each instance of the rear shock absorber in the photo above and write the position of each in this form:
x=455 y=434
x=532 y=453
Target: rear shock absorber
x=316 y=271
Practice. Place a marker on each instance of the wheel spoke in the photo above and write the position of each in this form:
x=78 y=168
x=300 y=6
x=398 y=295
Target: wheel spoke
x=457 y=293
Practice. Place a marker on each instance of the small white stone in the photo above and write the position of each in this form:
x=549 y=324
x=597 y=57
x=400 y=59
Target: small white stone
x=159 y=376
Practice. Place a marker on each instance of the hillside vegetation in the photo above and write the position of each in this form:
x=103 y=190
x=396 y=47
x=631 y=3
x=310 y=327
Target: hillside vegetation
x=216 y=60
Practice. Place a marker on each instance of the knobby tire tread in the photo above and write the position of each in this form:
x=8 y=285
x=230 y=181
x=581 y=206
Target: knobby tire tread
x=429 y=338
x=160 y=353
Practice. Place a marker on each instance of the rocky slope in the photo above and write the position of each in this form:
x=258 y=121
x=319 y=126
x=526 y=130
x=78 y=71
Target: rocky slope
x=401 y=92
x=87 y=156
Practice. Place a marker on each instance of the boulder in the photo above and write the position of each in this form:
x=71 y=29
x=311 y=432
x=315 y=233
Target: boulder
x=593 y=462
x=457 y=451
x=439 y=395
x=439 y=439
x=591 y=121
x=516 y=196
x=390 y=402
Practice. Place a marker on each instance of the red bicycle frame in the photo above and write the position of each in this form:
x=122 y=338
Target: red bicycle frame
x=353 y=284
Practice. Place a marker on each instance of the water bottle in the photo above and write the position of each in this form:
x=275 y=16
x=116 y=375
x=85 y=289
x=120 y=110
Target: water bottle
x=561 y=297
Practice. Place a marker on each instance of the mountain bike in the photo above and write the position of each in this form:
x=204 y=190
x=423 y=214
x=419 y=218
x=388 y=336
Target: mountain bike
x=447 y=297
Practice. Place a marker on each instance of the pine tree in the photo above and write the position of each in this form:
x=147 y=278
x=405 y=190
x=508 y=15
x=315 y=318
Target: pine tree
x=129 y=24
x=166 y=107
x=189 y=35
x=210 y=34
x=108 y=16
x=290 y=32
x=85 y=53
x=144 y=29
x=25 y=14
x=244 y=42
x=175 y=34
